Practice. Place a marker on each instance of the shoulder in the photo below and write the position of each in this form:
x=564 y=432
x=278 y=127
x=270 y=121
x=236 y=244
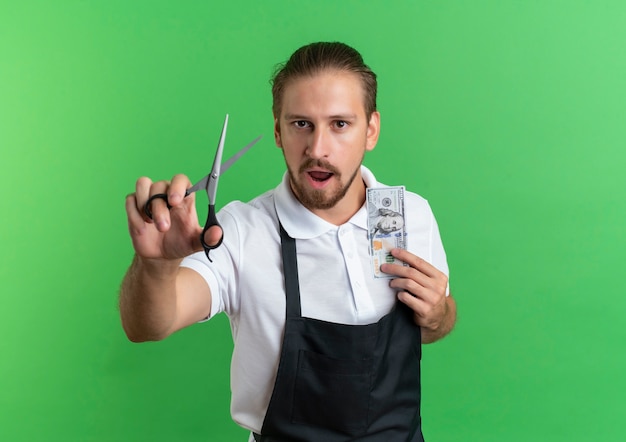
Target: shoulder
x=257 y=212
x=262 y=203
x=413 y=202
x=416 y=203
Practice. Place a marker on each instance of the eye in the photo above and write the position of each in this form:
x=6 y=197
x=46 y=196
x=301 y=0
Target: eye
x=301 y=124
x=341 y=124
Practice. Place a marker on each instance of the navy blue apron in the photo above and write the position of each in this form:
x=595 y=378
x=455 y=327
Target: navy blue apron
x=338 y=382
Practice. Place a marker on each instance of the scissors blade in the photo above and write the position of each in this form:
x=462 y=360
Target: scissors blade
x=226 y=165
x=202 y=184
x=211 y=187
x=209 y=182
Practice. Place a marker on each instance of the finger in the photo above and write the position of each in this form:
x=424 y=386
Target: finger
x=213 y=235
x=136 y=221
x=415 y=261
x=418 y=305
x=142 y=191
x=178 y=187
x=428 y=314
x=142 y=194
x=158 y=206
x=406 y=272
x=413 y=279
x=424 y=291
x=417 y=270
x=415 y=282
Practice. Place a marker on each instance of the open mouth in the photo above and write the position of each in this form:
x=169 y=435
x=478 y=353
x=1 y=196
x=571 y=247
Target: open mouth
x=319 y=176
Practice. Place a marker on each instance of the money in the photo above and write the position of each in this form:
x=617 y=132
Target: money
x=385 y=222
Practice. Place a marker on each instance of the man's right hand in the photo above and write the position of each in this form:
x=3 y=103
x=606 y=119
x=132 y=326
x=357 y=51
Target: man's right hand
x=172 y=233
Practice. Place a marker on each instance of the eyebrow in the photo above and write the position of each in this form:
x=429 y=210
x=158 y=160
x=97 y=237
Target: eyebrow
x=331 y=117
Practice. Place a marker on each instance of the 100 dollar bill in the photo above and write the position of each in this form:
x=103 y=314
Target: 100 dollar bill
x=385 y=222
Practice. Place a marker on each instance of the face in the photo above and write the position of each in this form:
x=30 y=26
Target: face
x=324 y=133
x=390 y=223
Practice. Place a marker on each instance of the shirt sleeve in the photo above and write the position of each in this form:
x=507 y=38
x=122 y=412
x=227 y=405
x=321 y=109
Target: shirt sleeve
x=197 y=262
x=220 y=274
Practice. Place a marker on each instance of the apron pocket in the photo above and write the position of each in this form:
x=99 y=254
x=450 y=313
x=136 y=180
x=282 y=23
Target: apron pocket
x=332 y=393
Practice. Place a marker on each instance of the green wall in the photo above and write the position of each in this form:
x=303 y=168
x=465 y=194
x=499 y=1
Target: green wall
x=509 y=116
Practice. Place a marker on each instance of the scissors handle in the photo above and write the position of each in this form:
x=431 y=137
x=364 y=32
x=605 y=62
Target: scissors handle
x=162 y=196
x=211 y=220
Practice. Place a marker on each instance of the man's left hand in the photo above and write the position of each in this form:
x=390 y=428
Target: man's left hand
x=422 y=288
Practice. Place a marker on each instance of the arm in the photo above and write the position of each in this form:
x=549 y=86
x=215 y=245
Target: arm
x=423 y=288
x=157 y=297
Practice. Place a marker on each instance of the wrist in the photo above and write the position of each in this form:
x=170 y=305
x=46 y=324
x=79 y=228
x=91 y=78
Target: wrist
x=156 y=268
x=438 y=329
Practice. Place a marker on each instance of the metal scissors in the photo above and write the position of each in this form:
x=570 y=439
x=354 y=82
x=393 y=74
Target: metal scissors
x=208 y=183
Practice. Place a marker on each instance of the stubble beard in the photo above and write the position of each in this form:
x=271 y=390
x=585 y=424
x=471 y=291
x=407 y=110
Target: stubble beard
x=314 y=199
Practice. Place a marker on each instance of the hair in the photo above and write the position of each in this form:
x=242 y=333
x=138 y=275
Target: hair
x=314 y=58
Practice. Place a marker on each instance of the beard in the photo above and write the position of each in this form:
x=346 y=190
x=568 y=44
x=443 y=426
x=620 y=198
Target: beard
x=316 y=199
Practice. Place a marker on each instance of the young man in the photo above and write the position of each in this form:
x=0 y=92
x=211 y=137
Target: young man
x=323 y=350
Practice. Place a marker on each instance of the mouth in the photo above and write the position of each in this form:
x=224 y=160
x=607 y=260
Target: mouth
x=319 y=176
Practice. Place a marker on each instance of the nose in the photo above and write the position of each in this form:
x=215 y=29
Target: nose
x=317 y=144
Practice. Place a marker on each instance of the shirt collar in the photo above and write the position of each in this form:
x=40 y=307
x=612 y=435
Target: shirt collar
x=300 y=222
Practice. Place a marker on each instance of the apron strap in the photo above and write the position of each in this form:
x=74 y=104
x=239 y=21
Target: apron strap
x=290 y=272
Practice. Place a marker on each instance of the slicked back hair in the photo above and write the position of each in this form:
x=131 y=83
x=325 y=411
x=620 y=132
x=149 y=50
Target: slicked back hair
x=315 y=58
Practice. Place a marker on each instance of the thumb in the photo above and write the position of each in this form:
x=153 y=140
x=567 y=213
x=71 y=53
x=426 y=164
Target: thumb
x=213 y=235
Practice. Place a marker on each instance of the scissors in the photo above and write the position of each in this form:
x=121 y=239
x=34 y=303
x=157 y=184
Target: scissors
x=208 y=183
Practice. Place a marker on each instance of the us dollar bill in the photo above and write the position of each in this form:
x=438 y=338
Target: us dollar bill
x=386 y=226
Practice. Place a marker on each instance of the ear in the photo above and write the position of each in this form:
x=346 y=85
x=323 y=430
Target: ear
x=277 y=138
x=373 y=130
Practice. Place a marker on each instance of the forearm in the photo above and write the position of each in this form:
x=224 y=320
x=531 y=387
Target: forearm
x=148 y=299
x=444 y=327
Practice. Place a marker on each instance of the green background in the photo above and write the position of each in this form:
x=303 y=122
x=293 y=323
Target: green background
x=509 y=116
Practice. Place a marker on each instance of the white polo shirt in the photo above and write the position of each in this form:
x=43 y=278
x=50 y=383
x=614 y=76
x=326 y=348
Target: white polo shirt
x=336 y=280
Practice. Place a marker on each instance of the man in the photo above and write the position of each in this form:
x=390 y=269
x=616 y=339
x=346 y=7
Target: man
x=322 y=350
